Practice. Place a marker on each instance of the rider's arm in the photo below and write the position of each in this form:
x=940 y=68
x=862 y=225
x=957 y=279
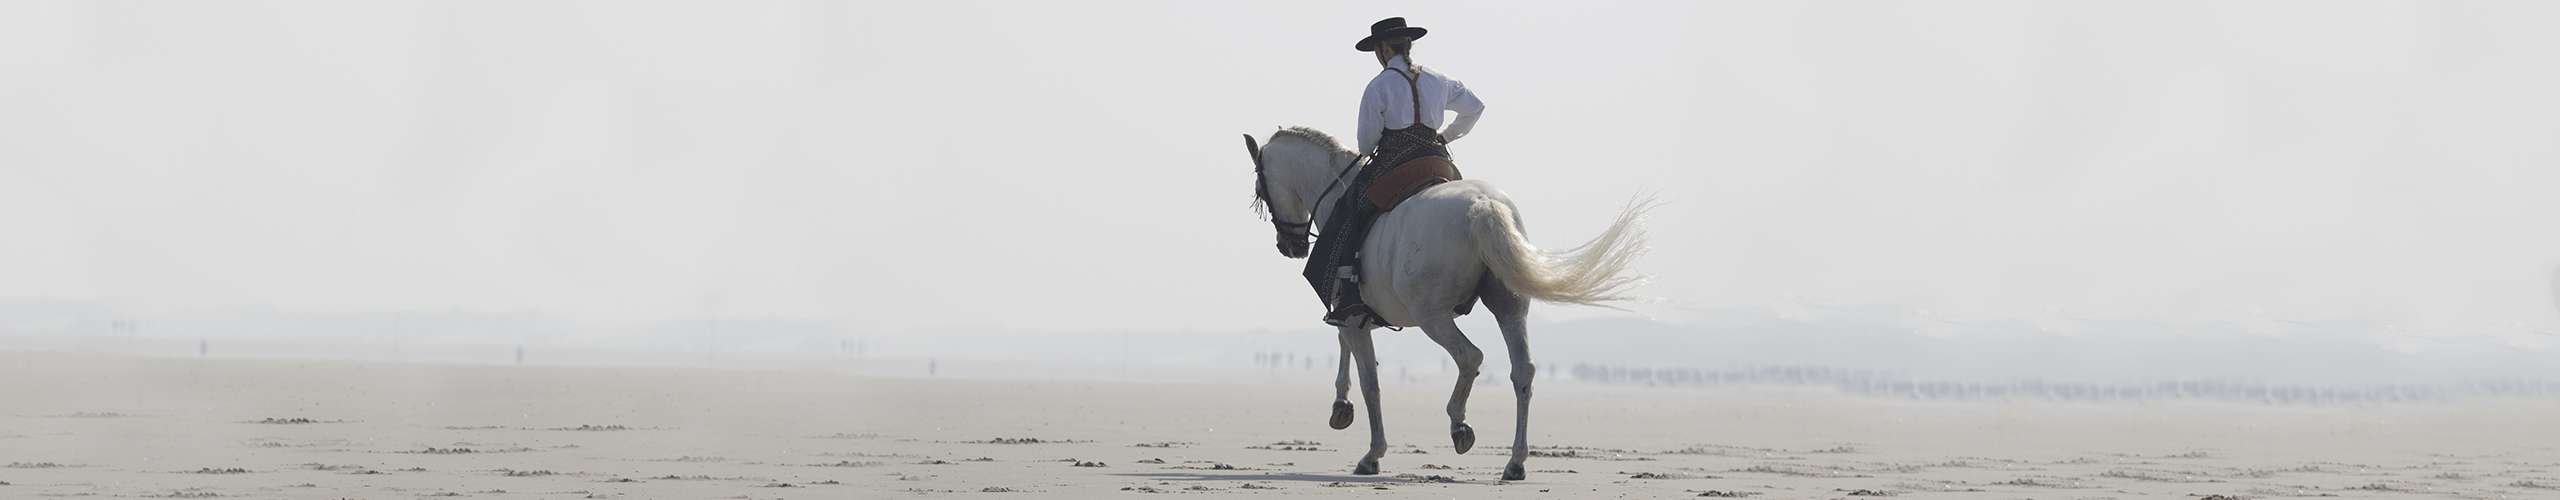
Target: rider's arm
x=1468 y=107
x=1373 y=117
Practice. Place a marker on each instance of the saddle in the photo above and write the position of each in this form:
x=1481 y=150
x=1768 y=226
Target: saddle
x=1404 y=181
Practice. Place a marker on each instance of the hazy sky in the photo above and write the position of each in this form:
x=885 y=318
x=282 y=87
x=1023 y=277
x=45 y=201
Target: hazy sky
x=1075 y=165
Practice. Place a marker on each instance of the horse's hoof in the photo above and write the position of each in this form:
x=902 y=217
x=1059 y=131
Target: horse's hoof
x=1341 y=415
x=1464 y=437
x=1514 y=472
x=1367 y=467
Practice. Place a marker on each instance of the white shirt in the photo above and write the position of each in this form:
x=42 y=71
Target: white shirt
x=1388 y=103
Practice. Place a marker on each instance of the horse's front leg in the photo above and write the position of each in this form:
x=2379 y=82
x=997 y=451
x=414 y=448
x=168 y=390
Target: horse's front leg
x=1342 y=387
x=1358 y=341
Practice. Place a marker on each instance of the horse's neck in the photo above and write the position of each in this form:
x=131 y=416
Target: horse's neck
x=1331 y=174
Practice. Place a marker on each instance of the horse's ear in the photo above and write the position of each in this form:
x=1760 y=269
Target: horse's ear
x=1254 y=149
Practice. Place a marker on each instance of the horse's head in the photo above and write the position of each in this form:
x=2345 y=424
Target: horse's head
x=1292 y=235
x=1292 y=178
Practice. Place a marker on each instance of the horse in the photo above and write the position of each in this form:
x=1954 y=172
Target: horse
x=1425 y=261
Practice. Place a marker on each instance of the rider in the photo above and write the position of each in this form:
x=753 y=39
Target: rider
x=1400 y=117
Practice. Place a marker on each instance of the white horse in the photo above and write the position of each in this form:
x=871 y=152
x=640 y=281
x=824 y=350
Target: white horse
x=1429 y=257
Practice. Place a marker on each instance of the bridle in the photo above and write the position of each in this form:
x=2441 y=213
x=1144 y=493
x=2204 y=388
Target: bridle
x=1292 y=237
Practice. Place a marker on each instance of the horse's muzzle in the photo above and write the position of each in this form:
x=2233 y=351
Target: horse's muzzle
x=1292 y=245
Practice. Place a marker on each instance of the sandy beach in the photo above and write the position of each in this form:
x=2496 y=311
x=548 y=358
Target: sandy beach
x=1902 y=249
x=127 y=426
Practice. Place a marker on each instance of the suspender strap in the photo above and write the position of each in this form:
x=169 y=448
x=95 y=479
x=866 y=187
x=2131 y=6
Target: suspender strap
x=1416 y=85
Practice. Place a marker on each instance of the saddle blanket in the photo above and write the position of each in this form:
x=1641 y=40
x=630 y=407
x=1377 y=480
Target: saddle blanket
x=1403 y=181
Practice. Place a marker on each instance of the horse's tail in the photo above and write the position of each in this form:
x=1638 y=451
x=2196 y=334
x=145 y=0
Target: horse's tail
x=1594 y=274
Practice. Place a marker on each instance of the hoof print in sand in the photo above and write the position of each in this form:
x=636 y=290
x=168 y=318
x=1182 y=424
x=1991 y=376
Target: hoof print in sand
x=349 y=469
x=1027 y=440
x=2031 y=483
x=1290 y=445
x=690 y=459
x=460 y=450
x=294 y=421
x=699 y=477
x=593 y=428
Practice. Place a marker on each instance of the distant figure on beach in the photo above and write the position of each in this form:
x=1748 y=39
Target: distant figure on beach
x=932 y=367
x=519 y=354
x=202 y=347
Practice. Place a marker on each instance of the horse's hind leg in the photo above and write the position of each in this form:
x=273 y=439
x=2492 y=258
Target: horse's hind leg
x=1511 y=312
x=1357 y=339
x=1445 y=331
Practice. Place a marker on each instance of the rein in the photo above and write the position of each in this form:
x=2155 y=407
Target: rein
x=1328 y=187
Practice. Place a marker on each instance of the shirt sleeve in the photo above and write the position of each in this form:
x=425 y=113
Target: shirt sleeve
x=1373 y=117
x=1469 y=108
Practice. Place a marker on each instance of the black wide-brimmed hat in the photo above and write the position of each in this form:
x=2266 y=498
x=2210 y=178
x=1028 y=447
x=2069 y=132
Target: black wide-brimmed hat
x=1388 y=28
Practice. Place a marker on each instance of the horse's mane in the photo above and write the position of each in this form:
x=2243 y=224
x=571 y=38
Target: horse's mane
x=1312 y=136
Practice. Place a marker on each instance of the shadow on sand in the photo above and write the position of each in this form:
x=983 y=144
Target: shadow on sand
x=1206 y=475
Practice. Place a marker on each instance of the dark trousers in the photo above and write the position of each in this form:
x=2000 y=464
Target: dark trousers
x=1343 y=234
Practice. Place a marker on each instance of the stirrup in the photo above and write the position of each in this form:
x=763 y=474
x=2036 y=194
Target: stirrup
x=1346 y=282
x=1354 y=312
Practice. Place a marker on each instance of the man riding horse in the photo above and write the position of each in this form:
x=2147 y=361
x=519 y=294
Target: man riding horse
x=1445 y=244
x=1412 y=100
